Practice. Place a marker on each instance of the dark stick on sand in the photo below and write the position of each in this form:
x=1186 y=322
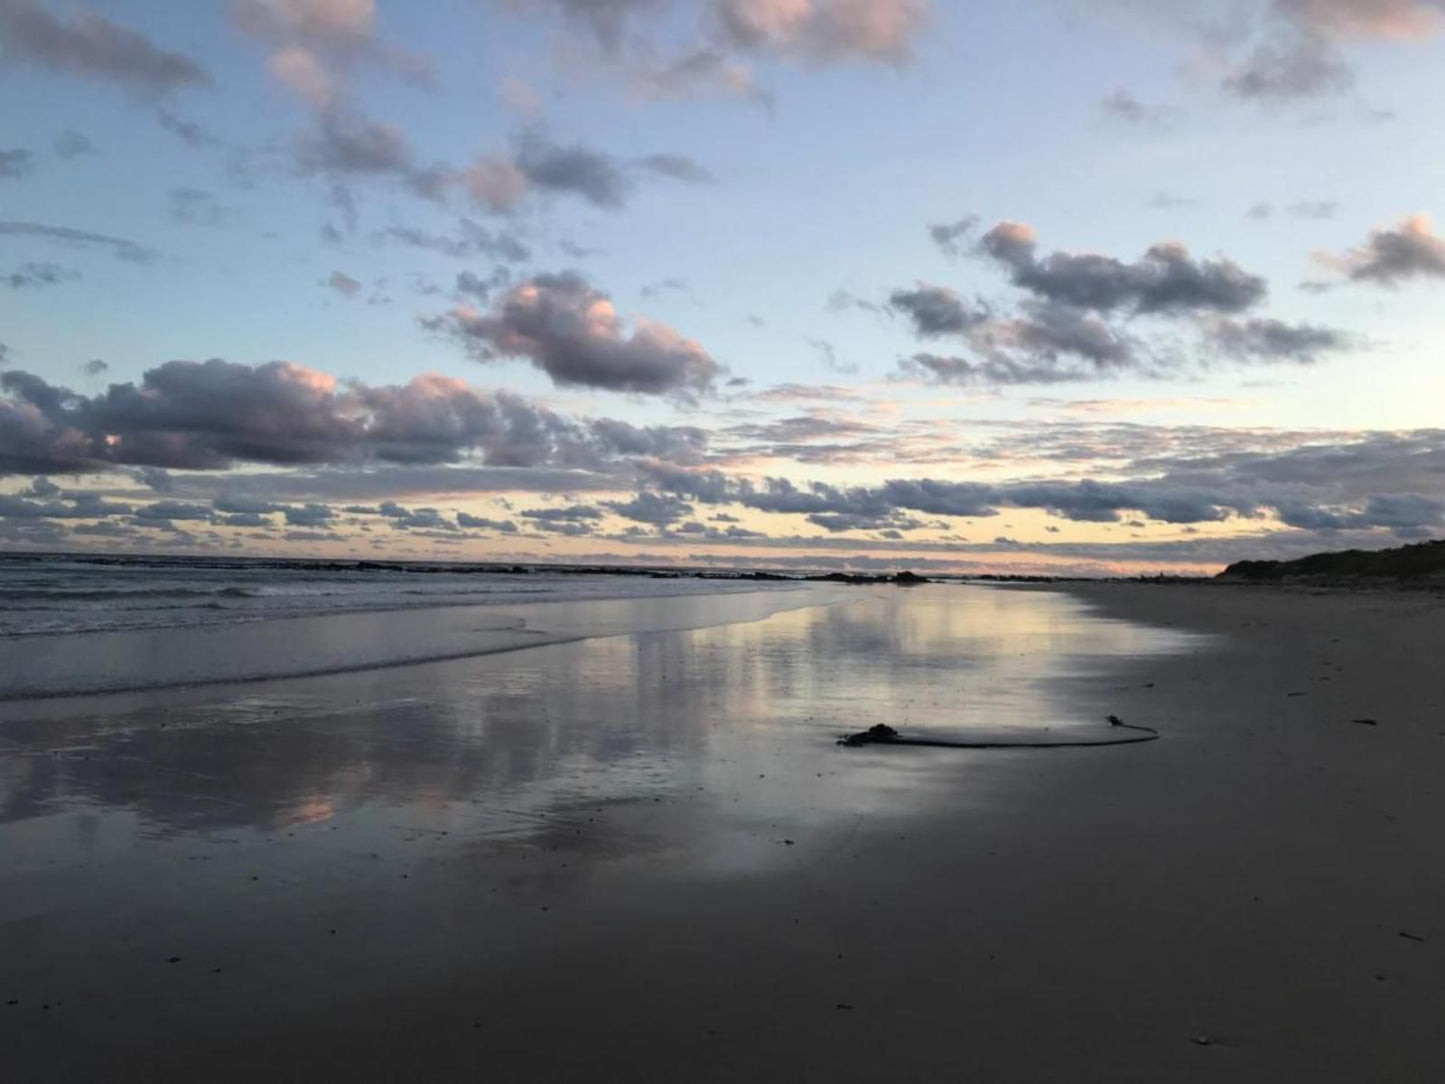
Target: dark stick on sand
x=883 y=734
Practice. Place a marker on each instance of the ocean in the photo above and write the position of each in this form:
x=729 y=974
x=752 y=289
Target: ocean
x=74 y=624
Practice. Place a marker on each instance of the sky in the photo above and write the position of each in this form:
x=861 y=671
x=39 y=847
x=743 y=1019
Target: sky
x=1014 y=286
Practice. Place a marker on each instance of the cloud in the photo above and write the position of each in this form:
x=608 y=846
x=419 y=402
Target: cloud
x=470 y=241
x=605 y=20
x=15 y=163
x=72 y=144
x=348 y=144
x=470 y=284
x=936 y=310
x=573 y=170
x=91 y=46
x=188 y=132
x=539 y=165
x=119 y=246
x=572 y=332
x=343 y=284
x=1166 y=280
x=344 y=25
x=1313 y=209
x=1304 y=67
x=504 y=526
x=304 y=75
x=823 y=31
x=496 y=183
x=31 y=276
x=990 y=372
x=1392 y=255
x=1399 y=19
x=1274 y=340
x=677 y=166
x=948 y=236
x=210 y=415
x=697 y=72
x=315 y=43
x=1125 y=107
x=195 y=207
x=659 y=510
x=568 y=514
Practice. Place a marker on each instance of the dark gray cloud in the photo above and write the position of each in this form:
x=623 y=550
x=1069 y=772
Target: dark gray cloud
x=949 y=236
x=1074 y=324
x=571 y=332
x=470 y=284
x=677 y=166
x=469 y=242
x=64 y=235
x=569 y=512
x=342 y=143
x=1392 y=255
x=1261 y=339
x=195 y=416
x=37 y=275
x=311 y=515
x=540 y=165
x=573 y=170
x=1125 y=107
x=1162 y=500
x=503 y=526
x=660 y=510
x=1302 y=66
x=1052 y=334
x=187 y=131
x=936 y=310
x=91 y=46
x=1165 y=281
x=991 y=372
x=377 y=442
x=15 y=163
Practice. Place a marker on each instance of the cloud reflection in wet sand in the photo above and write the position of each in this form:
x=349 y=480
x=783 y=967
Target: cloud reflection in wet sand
x=666 y=715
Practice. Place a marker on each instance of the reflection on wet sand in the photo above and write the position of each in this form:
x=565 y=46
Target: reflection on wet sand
x=638 y=716
x=215 y=818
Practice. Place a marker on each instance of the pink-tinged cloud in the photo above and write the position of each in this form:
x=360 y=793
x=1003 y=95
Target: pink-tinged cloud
x=1397 y=19
x=341 y=25
x=301 y=73
x=496 y=184
x=824 y=31
x=1391 y=255
x=572 y=332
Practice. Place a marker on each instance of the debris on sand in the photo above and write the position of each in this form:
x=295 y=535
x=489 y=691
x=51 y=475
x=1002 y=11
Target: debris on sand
x=875 y=733
x=1365 y=722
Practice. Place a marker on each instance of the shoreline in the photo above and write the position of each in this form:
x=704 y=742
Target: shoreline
x=1228 y=903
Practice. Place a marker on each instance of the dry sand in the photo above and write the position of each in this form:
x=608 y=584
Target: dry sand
x=1258 y=896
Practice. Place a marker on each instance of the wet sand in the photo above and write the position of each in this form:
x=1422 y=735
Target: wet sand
x=643 y=857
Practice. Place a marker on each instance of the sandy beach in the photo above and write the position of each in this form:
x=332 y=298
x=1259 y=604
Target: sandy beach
x=642 y=856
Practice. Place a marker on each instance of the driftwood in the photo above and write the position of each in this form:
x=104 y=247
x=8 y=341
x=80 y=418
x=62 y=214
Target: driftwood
x=883 y=734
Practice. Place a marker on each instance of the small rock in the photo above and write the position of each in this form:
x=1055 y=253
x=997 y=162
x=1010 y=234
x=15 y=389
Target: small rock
x=174 y=960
